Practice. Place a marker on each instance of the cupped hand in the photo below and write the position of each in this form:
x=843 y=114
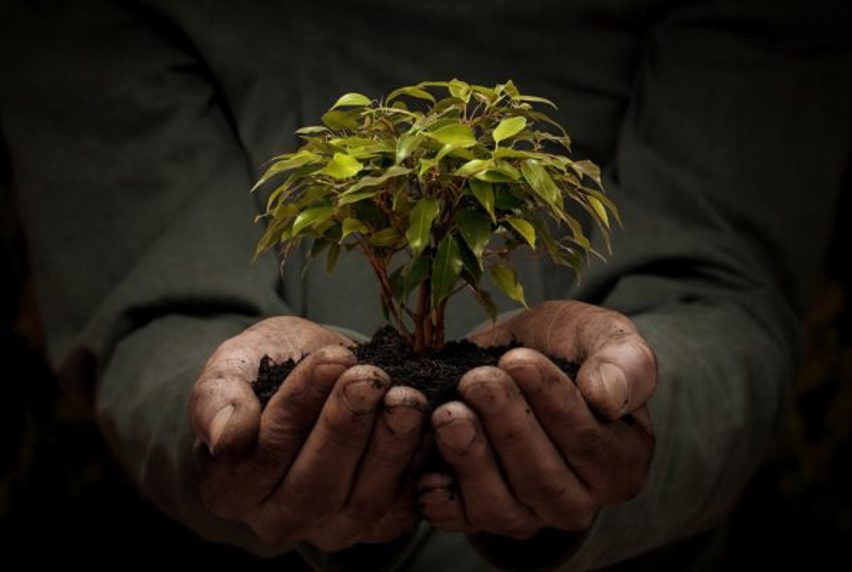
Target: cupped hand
x=329 y=461
x=530 y=447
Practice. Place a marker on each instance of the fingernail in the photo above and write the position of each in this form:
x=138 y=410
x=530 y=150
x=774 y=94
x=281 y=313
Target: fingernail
x=361 y=396
x=403 y=418
x=217 y=426
x=487 y=396
x=615 y=386
x=433 y=481
x=458 y=434
x=436 y=496
x=528 y=375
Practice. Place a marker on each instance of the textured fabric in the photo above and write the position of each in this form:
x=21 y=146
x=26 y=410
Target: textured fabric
x=135 y=129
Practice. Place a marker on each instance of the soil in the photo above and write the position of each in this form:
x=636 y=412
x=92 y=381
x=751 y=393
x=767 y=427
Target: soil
x=436 y=375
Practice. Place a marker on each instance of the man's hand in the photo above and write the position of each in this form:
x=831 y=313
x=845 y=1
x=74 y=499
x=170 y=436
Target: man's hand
x=532 y=448
x=327 y=462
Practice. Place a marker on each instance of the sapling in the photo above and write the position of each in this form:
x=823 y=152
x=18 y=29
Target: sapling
x=435 y=184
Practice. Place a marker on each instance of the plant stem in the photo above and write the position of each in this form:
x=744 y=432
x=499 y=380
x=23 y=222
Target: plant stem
x=422 y=319
x=385 y=290
x=438 y=333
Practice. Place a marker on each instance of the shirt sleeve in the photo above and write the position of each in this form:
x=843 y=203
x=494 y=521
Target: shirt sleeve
x=134 y=193
x=729 y=164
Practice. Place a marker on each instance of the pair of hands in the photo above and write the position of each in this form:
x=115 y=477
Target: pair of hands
x=335 y=458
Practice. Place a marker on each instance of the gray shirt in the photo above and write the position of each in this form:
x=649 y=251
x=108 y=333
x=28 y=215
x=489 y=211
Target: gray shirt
x=135 y=130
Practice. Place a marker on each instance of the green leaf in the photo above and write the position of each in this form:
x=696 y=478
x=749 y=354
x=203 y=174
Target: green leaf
x=494 y=176
x=599 y=209
x=396 y=283
x=588 y=169
x=309 y=217
x=506 y=199
x=459 y=89
x=338 y=119
x=524 y=228
x=506 y=279
x=351 y=99
x=475 y=230
x=331 y=258
x=425 y=165
x=310 y=129
x=415 y=272
x=284 y=190
x=509 y=127
x=473 y=167
x=471 y=265
x=351 y=198
x=484 y=193
x=508 y=152
x=536 y=99
x=540 y=181
x=407 y=143
x=487 y=94
x=420 y=224
x=342 y=166
x=292 y=162
x=506 y=168
x=364 y=182
x=606 y=202
x=385 y=237
x=351 y=225
x=412 y=91
x=509 y=88
x=445 y=269
x=454 y=134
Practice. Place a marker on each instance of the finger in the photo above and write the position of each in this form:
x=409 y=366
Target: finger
x=489 y=504
x=620 y=370
x=535 y=467
x=440 y=503
x=295 y=407
x=390 y=452
x=402 y=517
x=590 y=447
x=224 y=412
x=321 y=477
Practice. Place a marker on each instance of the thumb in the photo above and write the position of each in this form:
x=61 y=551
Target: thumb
x=225 y=415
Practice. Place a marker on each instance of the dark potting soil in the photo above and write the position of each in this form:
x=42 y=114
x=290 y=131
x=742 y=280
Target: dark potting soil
x=436 y=375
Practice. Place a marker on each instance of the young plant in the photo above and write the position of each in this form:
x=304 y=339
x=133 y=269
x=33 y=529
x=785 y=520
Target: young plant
x=436 y=184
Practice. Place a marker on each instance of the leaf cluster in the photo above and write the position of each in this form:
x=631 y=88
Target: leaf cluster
x=451 y=176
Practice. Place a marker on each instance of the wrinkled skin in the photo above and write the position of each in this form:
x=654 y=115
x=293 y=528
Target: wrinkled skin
x=531 y=448
x=333 y=459
x=294 y=472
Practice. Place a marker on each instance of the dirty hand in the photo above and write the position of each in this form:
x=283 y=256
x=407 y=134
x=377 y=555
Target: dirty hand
x=531 y=448
x=327 y=461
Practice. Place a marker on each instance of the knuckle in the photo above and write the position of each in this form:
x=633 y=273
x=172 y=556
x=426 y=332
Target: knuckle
x=583 y=514
x=647 y=360
x=581 y=521
x=515 y=525
x=545 y=492
x=389 y=457
x=511 y=434
x=366 y=511
x=344 y=428
x=590 y=442
x=305 y=497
